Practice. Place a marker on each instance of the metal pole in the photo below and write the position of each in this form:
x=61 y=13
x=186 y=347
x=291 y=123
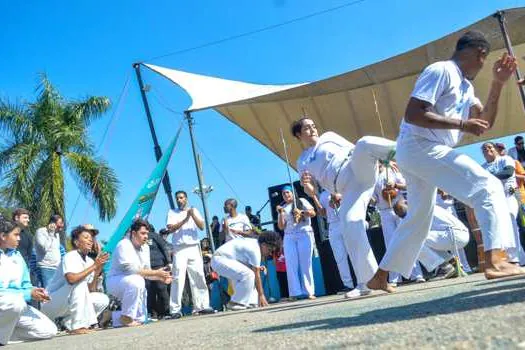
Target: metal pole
x=158 y=152
x=189 y=118
x=500 y=15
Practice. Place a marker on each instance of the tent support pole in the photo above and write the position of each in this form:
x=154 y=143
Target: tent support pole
x=189 y=118
x=500 y=15
x=158 y=152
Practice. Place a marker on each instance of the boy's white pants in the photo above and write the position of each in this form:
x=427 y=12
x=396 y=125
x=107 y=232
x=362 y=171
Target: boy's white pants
x=131 y=291
x=356 y=182
x=242 y=277
x=426 y=166
x=20 y=322
x=439 y=246
x=188 y=258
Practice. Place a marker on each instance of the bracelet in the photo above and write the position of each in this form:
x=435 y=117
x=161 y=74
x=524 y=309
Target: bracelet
x=461 y=124
x=475 y=230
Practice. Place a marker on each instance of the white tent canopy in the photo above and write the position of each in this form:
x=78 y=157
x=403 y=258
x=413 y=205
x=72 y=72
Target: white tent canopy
x=366 y=101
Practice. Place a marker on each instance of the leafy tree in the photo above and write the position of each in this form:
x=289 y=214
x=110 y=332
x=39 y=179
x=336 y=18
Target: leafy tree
x=42 y=140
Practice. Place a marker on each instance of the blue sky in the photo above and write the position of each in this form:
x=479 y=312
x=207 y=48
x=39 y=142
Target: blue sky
x=87 y=48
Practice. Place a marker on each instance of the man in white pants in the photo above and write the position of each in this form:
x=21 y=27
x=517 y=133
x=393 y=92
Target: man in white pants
x=184 y=223
x=390 y=182
x=442 y=107
x=19 y=321
x=342 y=167
x=446 y=201
x=73 y=288
x=329 y=207
x=446 y=237
x=239 y=260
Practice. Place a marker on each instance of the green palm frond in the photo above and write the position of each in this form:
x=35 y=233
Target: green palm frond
x=89 y=109
x=15 y=120
x=97 y=181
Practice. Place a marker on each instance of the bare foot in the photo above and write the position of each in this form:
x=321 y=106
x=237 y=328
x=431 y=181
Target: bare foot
x=79 y=331
x=380 y=282
x=129 y=322
x=503 y=269
x=312 y=297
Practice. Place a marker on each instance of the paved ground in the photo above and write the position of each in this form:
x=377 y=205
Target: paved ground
x=467 y=313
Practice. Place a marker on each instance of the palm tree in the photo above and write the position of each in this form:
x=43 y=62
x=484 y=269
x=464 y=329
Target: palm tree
x=40 y=141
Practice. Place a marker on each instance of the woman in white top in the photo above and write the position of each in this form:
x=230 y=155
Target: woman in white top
x=503 y=167
x=298 y=243
x=339 y=166
x=72 y=289
x=239 y=260
x=130 y=266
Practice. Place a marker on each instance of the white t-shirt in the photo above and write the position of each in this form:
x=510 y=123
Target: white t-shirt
x=498 y=165
x=443 y=220
x=451 y=95
x=187 y=234
x=302 y=226
x=324 y=159
x=246 y=251
x=331 y=214
x=71 y=263
x=393 y=176
x=239 y=222
x=126 y=260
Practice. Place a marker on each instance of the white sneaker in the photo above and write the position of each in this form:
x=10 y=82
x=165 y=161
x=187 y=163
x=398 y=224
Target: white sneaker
x=235 y=307
x=357 y=292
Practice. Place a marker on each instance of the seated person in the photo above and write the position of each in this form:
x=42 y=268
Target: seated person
x=19 y=321
x=239 y=260
x=73 y=288
x=446 y=236
x=130 y=266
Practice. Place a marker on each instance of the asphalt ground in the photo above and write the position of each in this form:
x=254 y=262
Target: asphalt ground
x=461 y=313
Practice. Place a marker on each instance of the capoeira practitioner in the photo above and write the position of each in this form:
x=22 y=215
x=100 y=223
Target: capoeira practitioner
x=329 y=207
x=235 y=224
x=19 y=321
x=446 y=236
x=441 y=108
x=239 y=260
x=342 y=167
x=298 y=243
x=446 y=201
x=388 y=187
x=503 y=167
x=130 y=265
x=73 y=288
x=185 y=223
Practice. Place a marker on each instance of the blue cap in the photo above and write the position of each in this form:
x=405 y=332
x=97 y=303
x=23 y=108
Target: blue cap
x=287 y=188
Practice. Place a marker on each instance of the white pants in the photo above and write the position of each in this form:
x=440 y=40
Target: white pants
x=188 y=258
x=78 y=307
x=298 y=249
x=131 y=291
x=340 y=253
x=441 y=246
x=515 y=253
x=356 y=181
x=19 y=321
x=389 y=222
x=427 y=165
x=242 y=277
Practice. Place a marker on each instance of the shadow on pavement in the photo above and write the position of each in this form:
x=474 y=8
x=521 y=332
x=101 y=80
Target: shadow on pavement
x=467 y=301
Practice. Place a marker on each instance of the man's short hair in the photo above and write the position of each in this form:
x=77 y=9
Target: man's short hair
x=138 y=224
x=297 y=126
x=518 y=138
x=248 y=208
x=270 y=238
x=232 y=201
x=19 y=212
x=473 y=39
x=55 y=218
x=181 y=191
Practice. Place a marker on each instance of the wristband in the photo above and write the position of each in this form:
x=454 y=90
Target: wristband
x=461 y=125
